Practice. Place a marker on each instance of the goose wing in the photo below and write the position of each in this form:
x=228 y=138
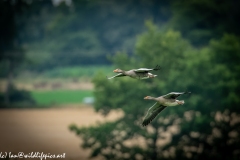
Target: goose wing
x=118 y=75
x=174 y=95
x=147 y=69
x=152 y=113
x=140 y=70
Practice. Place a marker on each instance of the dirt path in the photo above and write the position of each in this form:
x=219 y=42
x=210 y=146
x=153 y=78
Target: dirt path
x=46 y=130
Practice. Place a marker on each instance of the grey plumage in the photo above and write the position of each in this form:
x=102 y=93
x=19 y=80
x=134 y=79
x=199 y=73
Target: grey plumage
x=141 y=73
x=162 y=102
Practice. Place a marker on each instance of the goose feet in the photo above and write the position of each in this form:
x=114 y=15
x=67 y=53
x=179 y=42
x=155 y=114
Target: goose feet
x=151 y=75
x=180 y=102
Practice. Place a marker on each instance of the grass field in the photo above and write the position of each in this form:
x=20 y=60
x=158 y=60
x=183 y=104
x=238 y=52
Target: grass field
x=60 y=96
x=62 y=85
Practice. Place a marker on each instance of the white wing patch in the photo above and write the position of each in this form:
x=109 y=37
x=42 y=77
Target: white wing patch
x=142 y=70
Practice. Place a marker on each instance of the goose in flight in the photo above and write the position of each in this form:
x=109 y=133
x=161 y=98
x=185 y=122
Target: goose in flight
x=162 y=102
x=141 y=73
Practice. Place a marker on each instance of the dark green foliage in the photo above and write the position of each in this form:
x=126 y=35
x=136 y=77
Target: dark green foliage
x=218 y=92
x=83 y=32
x=201 y=20
x=127 y=94
x=12 y=53
x=206 y=73
x=86 y=31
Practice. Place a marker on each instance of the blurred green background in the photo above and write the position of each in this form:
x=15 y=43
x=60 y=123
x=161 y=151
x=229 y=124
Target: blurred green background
x=60 y=52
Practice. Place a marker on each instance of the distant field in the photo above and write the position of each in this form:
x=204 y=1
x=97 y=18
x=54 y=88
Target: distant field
x=49 y=97
x=85 y=72
x=80 y=71
x=60 y=78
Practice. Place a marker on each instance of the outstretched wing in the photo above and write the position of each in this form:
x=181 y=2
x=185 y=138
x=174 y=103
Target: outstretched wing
x=174 y=95
x=146 y=69
x=118 y=75
x=152 y=113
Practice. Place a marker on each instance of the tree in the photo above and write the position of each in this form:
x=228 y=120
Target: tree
x=205 y=127
x=83 y=32
x=201 y=20
x=12 y=53
x=210 y=131
x=115 y=140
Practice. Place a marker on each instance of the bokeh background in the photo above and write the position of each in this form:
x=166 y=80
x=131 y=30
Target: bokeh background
x=55 y=97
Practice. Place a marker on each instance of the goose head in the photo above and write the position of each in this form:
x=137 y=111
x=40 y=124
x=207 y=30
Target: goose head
x=118 y=71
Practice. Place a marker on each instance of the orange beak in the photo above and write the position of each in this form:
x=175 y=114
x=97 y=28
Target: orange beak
x=115 y=70
x=145 y=97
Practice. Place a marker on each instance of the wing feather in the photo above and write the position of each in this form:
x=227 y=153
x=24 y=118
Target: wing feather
x=118 y=75
x=142 y=70
x=152 y=113
x=147 y=69
x=174 y=95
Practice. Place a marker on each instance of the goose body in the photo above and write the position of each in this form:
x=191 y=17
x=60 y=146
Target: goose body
x=162 y=102
x=141 y=73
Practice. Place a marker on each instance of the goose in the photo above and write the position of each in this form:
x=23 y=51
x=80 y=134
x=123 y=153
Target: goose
x=141 y=73
x=162 y=102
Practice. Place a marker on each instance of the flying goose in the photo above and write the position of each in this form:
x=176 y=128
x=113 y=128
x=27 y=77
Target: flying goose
x=141 y=73
x=162 y=102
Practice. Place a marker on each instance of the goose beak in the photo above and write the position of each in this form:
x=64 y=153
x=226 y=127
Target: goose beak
x=145 y=97
x=115 y=70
